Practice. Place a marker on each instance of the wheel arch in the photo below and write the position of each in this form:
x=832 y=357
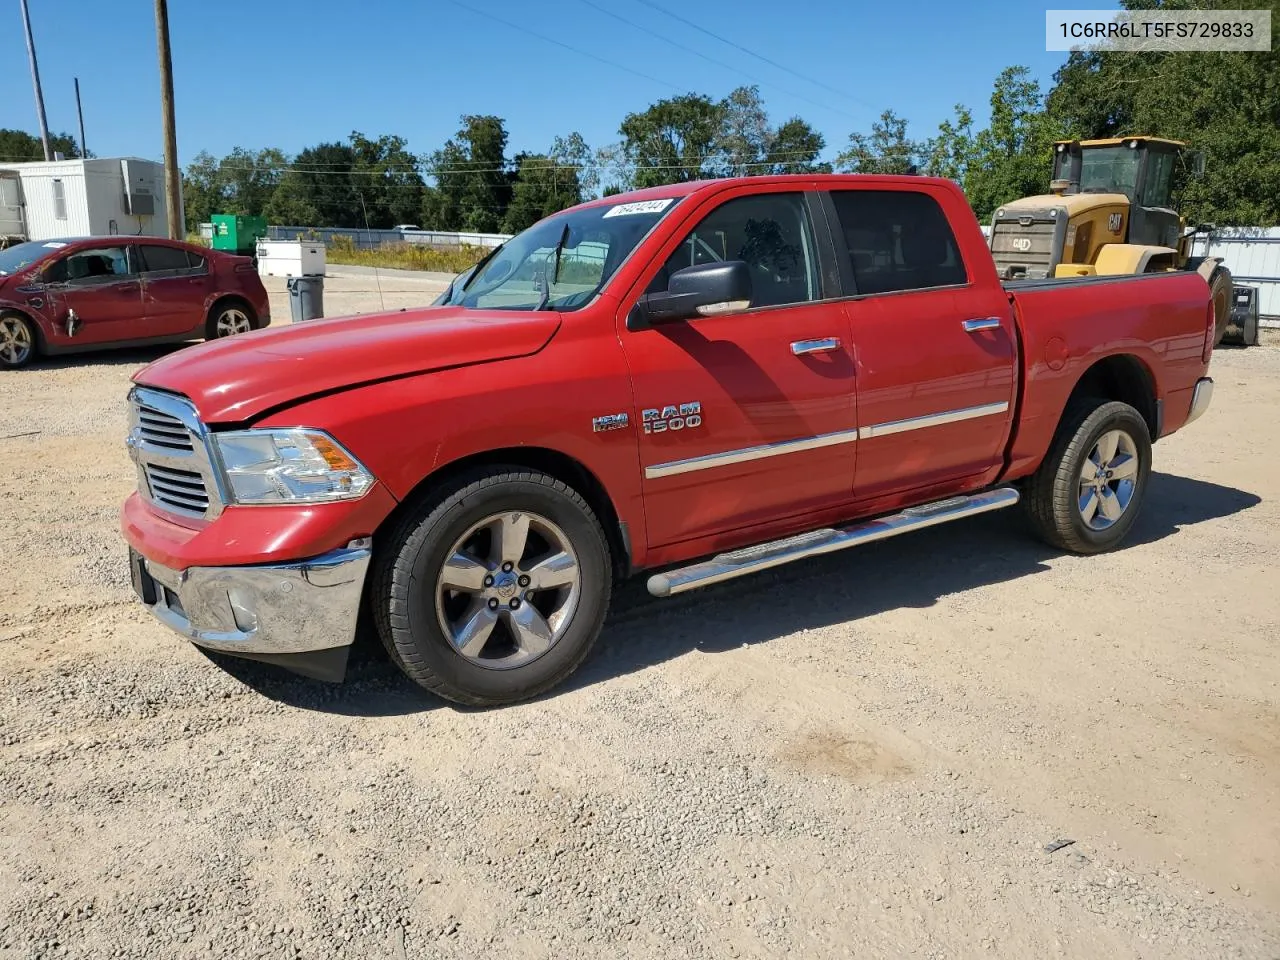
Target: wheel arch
x=554 y=463
x=1123 y=377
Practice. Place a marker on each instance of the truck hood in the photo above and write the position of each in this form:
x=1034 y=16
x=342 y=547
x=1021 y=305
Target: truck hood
x=238 y=378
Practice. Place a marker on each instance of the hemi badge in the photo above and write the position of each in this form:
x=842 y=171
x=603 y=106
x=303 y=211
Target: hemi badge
x=612 y=421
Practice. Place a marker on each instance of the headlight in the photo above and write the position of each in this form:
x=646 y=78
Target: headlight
x=289 y=466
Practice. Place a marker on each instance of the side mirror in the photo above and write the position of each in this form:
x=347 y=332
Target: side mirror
x=705 y=290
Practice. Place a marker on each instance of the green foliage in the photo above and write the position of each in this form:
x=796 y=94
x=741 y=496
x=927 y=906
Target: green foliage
x=473 y=187
x=1226 y=104
x=404 y=256
x=543 y=186
x=887 y=149
x=671 y=140
x=17 y=146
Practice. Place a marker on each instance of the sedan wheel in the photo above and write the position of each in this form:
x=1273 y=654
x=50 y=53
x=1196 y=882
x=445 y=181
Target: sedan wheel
x=17 y=344
x=231 y=321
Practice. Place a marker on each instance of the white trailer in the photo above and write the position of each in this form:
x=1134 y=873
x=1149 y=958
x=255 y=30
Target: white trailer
x=81 y=198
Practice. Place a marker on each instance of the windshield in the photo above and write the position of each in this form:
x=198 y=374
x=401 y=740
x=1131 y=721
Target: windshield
x=1109 y=170
x=23 y=255
x=598 y=239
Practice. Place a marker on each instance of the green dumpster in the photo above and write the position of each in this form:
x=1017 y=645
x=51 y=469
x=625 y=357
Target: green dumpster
x=238 y=234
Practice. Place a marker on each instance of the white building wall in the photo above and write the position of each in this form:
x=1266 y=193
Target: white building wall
x=94 y=191
x=1252 y=254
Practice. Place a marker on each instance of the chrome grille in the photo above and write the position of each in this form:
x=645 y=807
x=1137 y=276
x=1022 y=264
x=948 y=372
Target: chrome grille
x=168 y=444
x=162 y=429
x=177 y=489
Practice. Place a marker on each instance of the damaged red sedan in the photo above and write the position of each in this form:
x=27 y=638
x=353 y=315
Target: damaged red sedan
x=64 y=296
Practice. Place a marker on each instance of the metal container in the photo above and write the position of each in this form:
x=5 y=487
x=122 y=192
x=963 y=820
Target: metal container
x=237 y=234
x=306 y=297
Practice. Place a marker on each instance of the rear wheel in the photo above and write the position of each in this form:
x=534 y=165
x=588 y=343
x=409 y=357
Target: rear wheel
x=494 y=590
x=1086 y=495
x=228 y=319
x=17 y=341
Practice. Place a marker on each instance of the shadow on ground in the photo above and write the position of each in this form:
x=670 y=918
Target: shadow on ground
x=910 y=571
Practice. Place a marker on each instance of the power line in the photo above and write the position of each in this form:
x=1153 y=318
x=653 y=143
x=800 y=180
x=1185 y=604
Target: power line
x=713 y=60
x=560 y=43
x=751 y=53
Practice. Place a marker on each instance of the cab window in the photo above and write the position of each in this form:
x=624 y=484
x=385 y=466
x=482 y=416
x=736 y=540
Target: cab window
x=771 y=233
x=897 y=240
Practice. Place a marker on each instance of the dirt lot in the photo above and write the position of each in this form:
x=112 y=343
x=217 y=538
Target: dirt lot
x=861 y=756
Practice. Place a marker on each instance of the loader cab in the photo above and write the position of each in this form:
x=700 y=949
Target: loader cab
x=1140 y=168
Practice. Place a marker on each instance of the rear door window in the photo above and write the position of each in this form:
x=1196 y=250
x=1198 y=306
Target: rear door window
x=160 y=261
x=897 y=240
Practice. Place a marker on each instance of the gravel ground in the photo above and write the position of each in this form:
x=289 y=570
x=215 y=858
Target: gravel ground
x=867 y=755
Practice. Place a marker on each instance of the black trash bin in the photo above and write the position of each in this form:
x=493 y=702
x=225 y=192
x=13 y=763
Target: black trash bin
x=306 y=297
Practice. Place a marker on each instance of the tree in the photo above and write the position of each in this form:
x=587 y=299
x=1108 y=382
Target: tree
x=744 y=136
x=1226 y=104
x=17 y=146
x=672 y=140
x=473 y=187
x=202 y=192
x=317 y=190
x=952 y=152
x=543 y=186
x=386 y=176
x=794 y=148
x=887 y=149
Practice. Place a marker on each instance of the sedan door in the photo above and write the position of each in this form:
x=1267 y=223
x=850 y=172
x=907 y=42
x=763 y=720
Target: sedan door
x=94 y=294
x=175 y=285
x=936 y=352
x=748 y=417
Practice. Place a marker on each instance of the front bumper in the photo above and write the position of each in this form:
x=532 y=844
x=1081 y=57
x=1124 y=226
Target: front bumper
x=1201 y=397
x=271 y=610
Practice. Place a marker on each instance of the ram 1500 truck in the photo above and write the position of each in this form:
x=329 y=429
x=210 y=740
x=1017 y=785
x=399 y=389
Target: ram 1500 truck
x=700 y=381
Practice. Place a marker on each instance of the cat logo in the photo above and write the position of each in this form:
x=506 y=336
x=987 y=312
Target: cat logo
x=1114 y=222
x=1022 y=244
x=671 y=418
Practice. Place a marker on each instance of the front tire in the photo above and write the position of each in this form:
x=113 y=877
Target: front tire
x=17 y=341
x=494 y=589
x=1086 y=494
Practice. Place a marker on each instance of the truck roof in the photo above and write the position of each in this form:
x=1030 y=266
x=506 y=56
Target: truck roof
x=799 y=180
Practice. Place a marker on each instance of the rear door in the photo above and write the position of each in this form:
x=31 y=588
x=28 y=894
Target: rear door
x=746 y=417
x=100 y=284
x=936 y=350
x=175 y=284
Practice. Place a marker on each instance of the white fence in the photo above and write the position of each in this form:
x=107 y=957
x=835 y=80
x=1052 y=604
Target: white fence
x=372 y=239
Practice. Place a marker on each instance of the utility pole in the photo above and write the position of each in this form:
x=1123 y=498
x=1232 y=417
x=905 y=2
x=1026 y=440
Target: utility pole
x=84 y=149
x=35 y=81
x=172 y=181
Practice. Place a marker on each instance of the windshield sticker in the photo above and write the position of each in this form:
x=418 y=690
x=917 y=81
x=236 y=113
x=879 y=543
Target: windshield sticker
x=54 y=245
x=640 y=206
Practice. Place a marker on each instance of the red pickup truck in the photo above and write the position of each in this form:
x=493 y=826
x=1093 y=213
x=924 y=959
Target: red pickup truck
x=750 y=371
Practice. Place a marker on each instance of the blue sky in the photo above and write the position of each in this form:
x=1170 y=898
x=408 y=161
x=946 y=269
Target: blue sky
x=291 y=73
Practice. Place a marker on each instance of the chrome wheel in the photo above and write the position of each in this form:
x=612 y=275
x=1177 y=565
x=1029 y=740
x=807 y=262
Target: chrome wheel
x=508 y=589
x=1108 y=479
x=15 y=341
x=232 y=321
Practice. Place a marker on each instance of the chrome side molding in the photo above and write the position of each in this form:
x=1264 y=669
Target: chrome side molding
x=739 y=563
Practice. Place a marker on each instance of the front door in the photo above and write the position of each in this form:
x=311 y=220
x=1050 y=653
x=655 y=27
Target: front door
x=175 y=285
x=936 y=352
x=94 y=295
x=747 y=417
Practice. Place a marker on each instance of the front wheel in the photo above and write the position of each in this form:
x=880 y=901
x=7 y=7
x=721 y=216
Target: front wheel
x=17 y=341
x=1086 y=494
x=494 y=590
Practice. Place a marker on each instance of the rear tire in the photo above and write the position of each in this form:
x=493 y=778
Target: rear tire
x=494 y=589
x=18 y=341
x=1086 y=494
x=1220 y=290
x=229 y=318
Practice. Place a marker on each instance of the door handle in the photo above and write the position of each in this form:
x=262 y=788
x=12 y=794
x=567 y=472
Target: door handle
x=824 y=345
x=986 y=323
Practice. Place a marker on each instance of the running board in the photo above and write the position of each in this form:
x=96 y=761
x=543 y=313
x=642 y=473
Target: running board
x=739 y=563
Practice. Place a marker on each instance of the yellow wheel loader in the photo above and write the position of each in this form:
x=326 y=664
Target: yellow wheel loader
x=1109 y=212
